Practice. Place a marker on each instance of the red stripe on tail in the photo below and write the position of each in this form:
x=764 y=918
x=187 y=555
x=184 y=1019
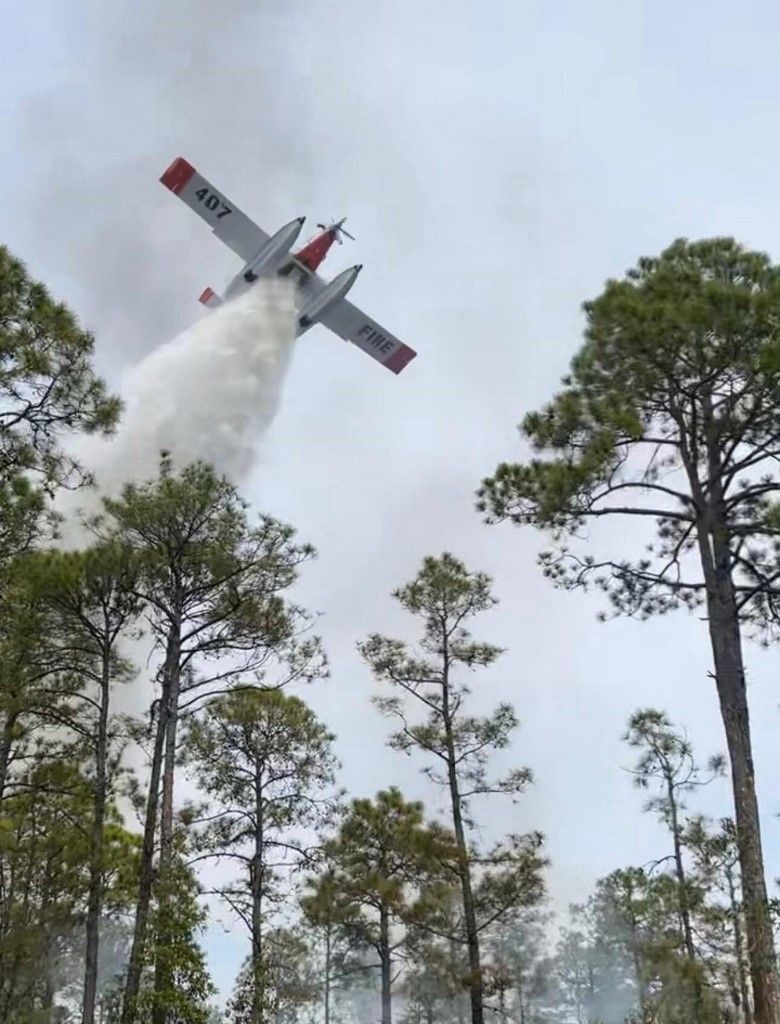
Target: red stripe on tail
x=206 y=296
x=177 y=175
x=399 y=359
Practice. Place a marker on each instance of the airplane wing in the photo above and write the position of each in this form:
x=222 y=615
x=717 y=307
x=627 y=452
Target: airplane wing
x=228 y=223
x=352 y=324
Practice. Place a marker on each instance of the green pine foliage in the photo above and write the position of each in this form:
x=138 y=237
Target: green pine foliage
x=47 y=385
x=670 y=416
x=180 y=606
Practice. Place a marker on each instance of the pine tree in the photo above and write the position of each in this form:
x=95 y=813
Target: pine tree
x=213 y=585
x=47 y=385
x=444 y=596
x=183 y=996
x=285 y=978
x=45 y=840
x=266 y=764
x=385 y=871
x=28 y=663
x=715 y=857
x=519 y=964
x=328 y=919
x=666 y=759
x=89 y=604
x=671 y=416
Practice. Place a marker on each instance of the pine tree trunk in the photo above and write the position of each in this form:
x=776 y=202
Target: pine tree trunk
x=724 y=629
x=16 y=900
x=464 y=868
x=328 y=957
x=739 y=951
x=46 y=1000
x=146 y=876
x=714 y=542
x=257 y=900
x=455 y=951
x=472 y=935
x=679 y=869
x=639 y=974
x=682 y=903
x=6 y=744
x=171 y=686
x=385 y=966
x=95 y=898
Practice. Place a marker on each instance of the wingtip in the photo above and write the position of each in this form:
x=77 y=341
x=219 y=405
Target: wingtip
x=177 y=175
x=400 y=359
x=209 y=298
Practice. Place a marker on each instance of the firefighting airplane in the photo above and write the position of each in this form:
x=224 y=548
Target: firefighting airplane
x=317 y=301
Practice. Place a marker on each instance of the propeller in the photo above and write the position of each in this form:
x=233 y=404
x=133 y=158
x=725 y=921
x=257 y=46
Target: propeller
x=339 y=229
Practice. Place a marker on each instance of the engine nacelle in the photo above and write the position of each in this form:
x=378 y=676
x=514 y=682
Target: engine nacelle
x=333 y=291
x=268 y=257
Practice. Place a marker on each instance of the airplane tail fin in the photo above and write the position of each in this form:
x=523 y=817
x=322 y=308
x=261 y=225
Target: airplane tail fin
x=210 y=298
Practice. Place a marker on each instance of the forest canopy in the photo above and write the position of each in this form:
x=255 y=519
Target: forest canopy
x=124 y=835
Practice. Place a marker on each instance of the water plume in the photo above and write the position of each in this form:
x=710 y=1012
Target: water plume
x=208 y=394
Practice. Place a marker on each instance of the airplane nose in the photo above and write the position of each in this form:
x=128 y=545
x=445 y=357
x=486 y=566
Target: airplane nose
x=301 y=220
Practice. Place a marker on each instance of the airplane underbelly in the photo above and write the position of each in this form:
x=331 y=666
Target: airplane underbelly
x=301 y=278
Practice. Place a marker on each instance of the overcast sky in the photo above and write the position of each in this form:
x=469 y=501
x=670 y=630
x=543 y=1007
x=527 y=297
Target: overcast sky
x=497 y=161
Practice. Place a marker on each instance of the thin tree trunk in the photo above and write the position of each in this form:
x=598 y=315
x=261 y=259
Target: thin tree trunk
x=48 y=960
x=739 y=950
x=455 y=953
x=328 y=955
x=162 y=970
x=95 y=898
x=385 y=966
x=639 y=974
x=146 y=876
x=464 y=868
x=6 y=745
x=682 y=902
x=171 y=688
x=257 y=899
x=472 y=935
x=682 y=889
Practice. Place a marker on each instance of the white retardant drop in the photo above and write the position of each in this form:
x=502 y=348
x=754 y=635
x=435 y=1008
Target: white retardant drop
x=209 y=394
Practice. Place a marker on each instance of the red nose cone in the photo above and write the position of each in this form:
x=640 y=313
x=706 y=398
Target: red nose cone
x=315 y=251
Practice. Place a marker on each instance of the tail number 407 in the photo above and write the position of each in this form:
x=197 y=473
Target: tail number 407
x=213 y=202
